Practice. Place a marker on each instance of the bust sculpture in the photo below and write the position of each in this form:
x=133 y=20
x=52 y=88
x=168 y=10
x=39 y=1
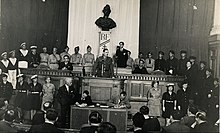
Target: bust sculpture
x=105 y=23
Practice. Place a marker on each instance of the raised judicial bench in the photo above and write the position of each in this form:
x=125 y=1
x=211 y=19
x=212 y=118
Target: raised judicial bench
x=118 y=117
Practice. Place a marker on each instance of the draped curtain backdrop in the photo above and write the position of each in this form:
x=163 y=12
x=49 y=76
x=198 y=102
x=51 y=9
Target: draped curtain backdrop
x=176 y=25
x=82 y=29
x=35 y=22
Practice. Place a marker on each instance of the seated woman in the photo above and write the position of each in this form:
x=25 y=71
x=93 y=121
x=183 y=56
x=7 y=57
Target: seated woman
x=140 y=69
x=85 y=100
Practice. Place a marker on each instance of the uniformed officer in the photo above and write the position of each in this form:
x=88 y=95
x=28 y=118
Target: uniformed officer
x=103 y=66
x=34 y=58
x=54 y=59
x=150 y=63
x=44 y=56
x=121 y=55
x=4 y=63
x=35 y=93
x=88 y=58
x=183 y=98
x=76 y=58
x=6 y=88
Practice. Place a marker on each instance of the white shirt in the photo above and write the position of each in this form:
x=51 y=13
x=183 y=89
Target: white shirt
x=13 y=60
x=5 y=63
x=67 y=88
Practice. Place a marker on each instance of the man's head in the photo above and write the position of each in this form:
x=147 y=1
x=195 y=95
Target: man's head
x=160 y=54
x=69 y=81
x=185 y=84
x=192 y=110
x=105 y=52
x=192 y=59
x=10 y=115
x=4 y=77
x=89 y=49
x=66 y=58
x=150 y=54
x=51 y=115
x=183 y=54
x=95 y=118
x=44 y=49
x=140 y=55
x=54 y=50
x=138 y=120
x=121 y=44
x=188 y=64
x=123 y=95
x=106 y=127
x=47 y=105
x=208 y=72
x=144 y=110
x=141 y=63
x=176 y=115
x=76 y=49
x=216 y=81
x=85 y=93
x=202 y=64
x=171 y=53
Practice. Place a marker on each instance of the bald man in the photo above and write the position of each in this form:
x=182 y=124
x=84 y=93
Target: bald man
x=67 y=95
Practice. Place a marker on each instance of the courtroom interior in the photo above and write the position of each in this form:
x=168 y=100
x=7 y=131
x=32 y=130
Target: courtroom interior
x=107 y=66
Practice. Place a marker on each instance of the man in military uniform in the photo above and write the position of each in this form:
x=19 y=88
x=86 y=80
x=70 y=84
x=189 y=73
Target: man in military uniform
x=182 y=63
x=121 y=55
x=4 y=63
x=88 y=58
x=5 y=88
x=34 y=58
x=103 y=66
x=76 y=58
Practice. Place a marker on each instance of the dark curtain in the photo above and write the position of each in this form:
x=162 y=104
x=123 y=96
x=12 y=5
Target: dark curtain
x=176 y=25
x=35 y=22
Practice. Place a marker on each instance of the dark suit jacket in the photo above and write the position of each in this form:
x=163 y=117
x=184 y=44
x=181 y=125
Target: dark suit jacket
x=6 y=90
x=176 y=127
x=151 y=124
x=6 y=128
x=87 y=100
x=67 y=98
x=68 y=66
x=45 y=128
x=88 y=129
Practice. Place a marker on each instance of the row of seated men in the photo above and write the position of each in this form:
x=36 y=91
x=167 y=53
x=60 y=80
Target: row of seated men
x=25 y=58
x=46 y=121
x=31 y=97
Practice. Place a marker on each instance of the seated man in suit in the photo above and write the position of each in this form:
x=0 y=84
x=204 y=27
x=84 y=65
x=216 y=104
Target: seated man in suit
x=5 y=124
x=48 y=125
x=66 y=65
x=138 y=122
x=176 y=126
x=150 y=124
x=85 y=100
x=106 y=127
x=140 y=69
x=95 y=119
x=120 y=101
x=191 y=116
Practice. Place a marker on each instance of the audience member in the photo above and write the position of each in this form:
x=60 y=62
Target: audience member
x=176 y=126
x=76 y=58
x=154 y=97
x=88 y=58
x=172 y=63
x=103 y=66
x=160 y=62
x=35 y=95
x=202 y=125
x=12 y=69
x=150 y=63
x=182 y=63
x=4 y=63
x=44 y=57
x=48 y=91
x=140 y=69
x=6 y=88
x=67 y=95
x=48 y=126
x=137 y=60
x=120 y=101
x=183 y=98
x=38 y=118
x=23 y=56
x=138 y=122
x=64 y=53
x=169 y=102
x=66 y=65
x=54 y=59
x=95 y=119
x=34 y=58
x=85 y=99
x=130 y=61
x=192 y=59
x=121 y=55
x=190 y=118
x=106 y=127
x=47 y=105
x=5 y=124
x=150 y=124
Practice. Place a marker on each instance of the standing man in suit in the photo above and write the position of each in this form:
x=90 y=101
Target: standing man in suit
x=48 y=125
x=67 y=95
x=121 y=55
